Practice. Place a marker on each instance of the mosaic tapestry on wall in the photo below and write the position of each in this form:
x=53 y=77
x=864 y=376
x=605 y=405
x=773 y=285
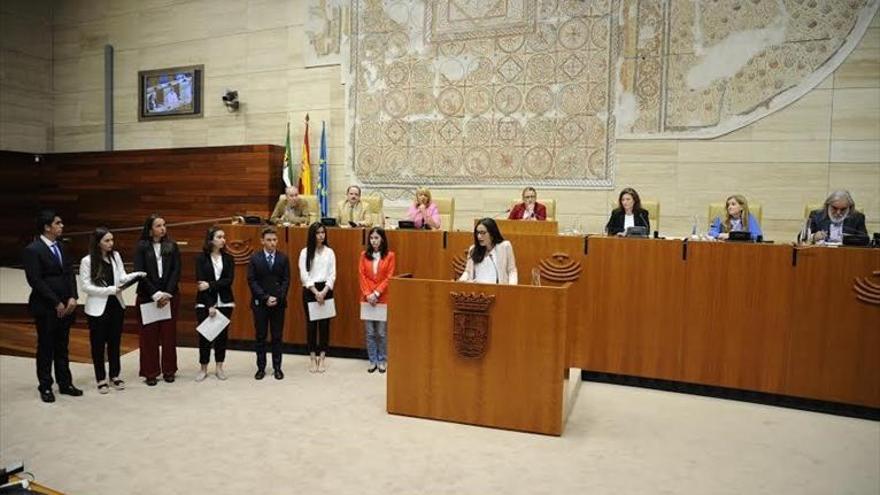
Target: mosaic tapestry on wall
x=489 y=92
x=325 y=30
x=695 y=68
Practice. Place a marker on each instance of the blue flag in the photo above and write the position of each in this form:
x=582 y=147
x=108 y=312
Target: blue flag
x=323 y=175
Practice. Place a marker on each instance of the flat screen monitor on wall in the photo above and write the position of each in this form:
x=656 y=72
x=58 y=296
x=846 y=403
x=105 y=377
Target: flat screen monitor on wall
x=170 y=93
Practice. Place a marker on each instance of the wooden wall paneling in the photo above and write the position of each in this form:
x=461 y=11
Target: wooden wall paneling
x=737 y=315
x=19 y=179
x=835 y=340
x=633 y=296
x=121 y=188
x=418 y=252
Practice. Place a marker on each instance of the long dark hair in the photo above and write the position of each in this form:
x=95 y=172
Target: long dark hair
x=208 y=246
x=312 y=243
x=96 y=256
x=147 y=236
x=383 y=246
x=637 y=201
x=479 y=252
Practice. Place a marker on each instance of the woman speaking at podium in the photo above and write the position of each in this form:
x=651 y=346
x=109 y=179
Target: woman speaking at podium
x=490 y=260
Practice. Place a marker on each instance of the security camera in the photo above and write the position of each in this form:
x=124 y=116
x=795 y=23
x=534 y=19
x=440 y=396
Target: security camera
x=230 y=99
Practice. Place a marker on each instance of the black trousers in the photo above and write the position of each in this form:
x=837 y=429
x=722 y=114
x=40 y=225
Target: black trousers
x=317 y=332
x=105 y=332
x=219 y=342
x=269 y=320
x=53 y=336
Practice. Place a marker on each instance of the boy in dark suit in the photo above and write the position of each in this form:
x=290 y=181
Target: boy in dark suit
x=269 y=280
x=52 y=303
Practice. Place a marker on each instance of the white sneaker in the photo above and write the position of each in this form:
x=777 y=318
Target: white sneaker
x=201 y=376
x=221 y=375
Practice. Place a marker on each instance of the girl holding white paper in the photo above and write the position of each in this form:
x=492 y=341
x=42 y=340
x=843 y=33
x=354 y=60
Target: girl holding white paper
x=158 y=255
x=103 y=279
x=317 y=271
x=215 y=270
x=376 y=268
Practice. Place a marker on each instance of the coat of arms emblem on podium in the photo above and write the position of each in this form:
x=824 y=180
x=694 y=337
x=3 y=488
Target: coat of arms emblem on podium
x=470 y=323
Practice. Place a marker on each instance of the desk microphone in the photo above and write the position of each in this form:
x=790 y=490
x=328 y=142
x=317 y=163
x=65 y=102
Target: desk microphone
x=644 y=216
x=503 y=214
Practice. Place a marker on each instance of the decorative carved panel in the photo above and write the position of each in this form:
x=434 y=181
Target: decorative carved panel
x=866 y=290
x=560 y=268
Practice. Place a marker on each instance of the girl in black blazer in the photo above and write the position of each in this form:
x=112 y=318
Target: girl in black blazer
x=628 y=205
x=158 y=256
x=215 y=270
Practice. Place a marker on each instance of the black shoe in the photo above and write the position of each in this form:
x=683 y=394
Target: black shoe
x=260 y=374
x=47 y=396
x=151 y=382
x=279 y=375
x=70 y=390
x=168 y=378
x=372 y=368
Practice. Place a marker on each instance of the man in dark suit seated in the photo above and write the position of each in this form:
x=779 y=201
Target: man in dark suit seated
x=269 y=280
x=52 y=303
x=837 y=218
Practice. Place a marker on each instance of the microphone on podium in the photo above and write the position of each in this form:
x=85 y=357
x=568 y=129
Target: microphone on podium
x=503 y=214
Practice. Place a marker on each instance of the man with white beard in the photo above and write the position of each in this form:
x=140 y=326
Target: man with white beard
x=837 y=218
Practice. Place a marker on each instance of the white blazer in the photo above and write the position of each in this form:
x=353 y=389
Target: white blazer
x=97 y=294
x=506 y=263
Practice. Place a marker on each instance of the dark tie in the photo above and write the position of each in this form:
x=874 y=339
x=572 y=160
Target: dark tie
x=57 y=253
x=270 y=259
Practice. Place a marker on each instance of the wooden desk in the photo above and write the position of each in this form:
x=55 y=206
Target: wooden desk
x=543 y=227
x=517 y=384
x=755 y=317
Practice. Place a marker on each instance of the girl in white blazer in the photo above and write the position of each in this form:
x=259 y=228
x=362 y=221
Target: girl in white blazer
x=490 y=259
x=103 y=275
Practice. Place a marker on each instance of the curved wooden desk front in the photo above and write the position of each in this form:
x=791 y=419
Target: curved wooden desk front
x=757 y=317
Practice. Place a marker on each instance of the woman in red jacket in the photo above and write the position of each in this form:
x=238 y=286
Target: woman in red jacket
x=376 y=269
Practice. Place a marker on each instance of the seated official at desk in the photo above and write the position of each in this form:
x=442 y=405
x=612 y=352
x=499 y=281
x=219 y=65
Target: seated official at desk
x=837 y=218
x=629 y=213
x=352 y=212
x=529 y=209
x=736 y=219
x=423 y=212
x=490 y=259
x=291 y=209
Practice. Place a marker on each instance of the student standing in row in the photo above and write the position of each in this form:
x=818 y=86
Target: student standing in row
x=317 y=271
x=103 y=276
x=215 y=271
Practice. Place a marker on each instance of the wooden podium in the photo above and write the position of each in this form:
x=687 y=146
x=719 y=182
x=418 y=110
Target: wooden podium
x=488 y=355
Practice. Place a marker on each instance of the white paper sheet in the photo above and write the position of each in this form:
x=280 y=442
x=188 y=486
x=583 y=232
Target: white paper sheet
x=212 y=326
x=151 y=312
x=378 y=312
x=322 y=311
